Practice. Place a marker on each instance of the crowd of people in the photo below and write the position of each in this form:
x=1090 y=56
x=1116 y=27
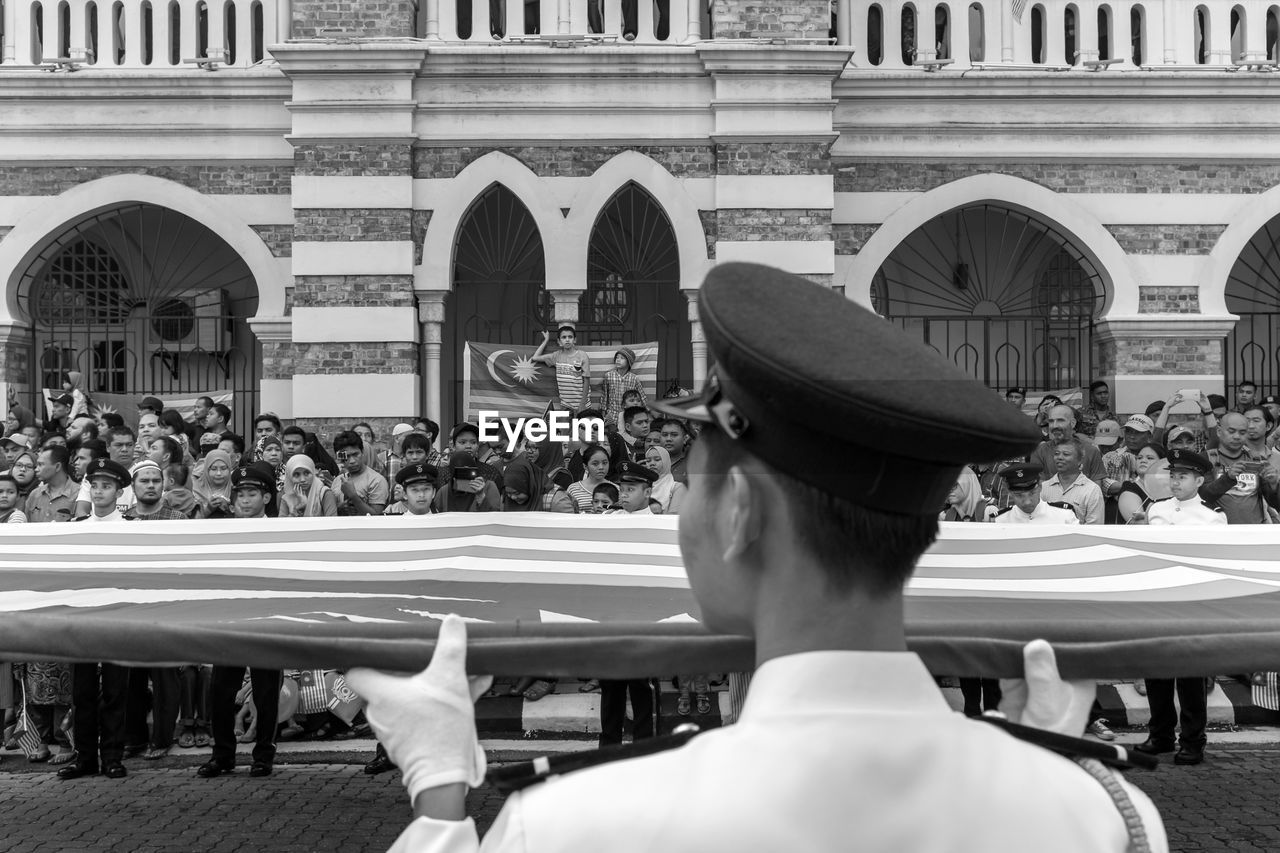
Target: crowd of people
x=82 y=464
x=1094 y=467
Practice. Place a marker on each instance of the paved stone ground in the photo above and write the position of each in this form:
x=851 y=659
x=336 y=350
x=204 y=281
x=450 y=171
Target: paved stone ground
x=1230 y=803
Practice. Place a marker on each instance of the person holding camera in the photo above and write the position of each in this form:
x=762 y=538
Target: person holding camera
x=464 y=489
x=1245 y=488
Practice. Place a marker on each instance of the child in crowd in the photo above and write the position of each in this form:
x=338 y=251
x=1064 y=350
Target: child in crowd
x=620 y=382
x=177 y=494
x=9 y=512
x=604 y=498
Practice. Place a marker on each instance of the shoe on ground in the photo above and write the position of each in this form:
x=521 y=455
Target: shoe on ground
x=212 y=769
x=1189 y=755
x=155 y=753
x=259 y=769
x=1098 y=728
x=1154 y=747
x=75 y=770
x=380 y=764
x=114 y=770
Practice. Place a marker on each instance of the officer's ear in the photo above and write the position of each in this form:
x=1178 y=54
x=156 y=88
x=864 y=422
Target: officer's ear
x=742 y=502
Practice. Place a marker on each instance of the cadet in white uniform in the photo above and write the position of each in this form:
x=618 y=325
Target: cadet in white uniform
x=1027 y=507
x=844 y=741
x=1187 y=471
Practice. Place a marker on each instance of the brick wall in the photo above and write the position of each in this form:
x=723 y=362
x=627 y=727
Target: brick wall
x=257 y=178
x=1164 y=299
x=356 y=290
x=311 y=359
x=15 y=365
x=350 y=225
x=683 y=161
x=278 y=360
x=773 y=224
x=419 y=220
x=710 y=231
x=1167 y=239
x=851 y=238
x=919 y=176
x=737 y=19
x=1159 y=356
x=367 y=18
x=773 y=158
x=279 y=238
x=352 y=159
x=327 y=428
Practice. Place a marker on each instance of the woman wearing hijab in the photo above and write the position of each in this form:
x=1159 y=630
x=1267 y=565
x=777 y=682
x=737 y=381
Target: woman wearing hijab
x=80 y=398
x=304 y=494
x=23 y=470
x=965 y=501
x=666 y=491
x=326 y=468
x=214 y=491
x=270 y=450
x=19 y=417
x=521 y=482
x=461 y=494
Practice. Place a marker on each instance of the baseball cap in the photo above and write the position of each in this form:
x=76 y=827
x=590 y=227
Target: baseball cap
x=19 y=439
x=1177 y=433
x=64 y=399
x=400 y=429
x=1107 y=433
x=153 y=403
x=1140 y=423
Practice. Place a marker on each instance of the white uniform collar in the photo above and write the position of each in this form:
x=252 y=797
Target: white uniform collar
x=843 y=682
x=114 y=515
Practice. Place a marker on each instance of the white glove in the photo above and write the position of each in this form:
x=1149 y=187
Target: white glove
x=427 y=722
x=1042 y=699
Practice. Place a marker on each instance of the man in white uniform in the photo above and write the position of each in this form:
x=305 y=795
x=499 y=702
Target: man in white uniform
x=1187 y=471
x=1023 y=485
x=844 y=742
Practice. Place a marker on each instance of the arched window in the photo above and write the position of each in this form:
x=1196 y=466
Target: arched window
x=202 y=29
x=1273 y=30
x=908 y=34
x=259 y=32
x=1138 y=33
x=1104 y=32
x=1071 y=44
x=229 y=33
x=117 y=21
x=64 y=24
x=1239 y=33
x=1253 y=294
x=875 y=34
x=1200 y=33
x=90 y=12
x=1005 y=296
x=175 y=33
x=977 y=33
x=1038 y=37
x=942 y=31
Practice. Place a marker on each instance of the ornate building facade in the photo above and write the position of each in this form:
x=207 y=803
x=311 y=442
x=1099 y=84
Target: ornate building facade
x=314 y=204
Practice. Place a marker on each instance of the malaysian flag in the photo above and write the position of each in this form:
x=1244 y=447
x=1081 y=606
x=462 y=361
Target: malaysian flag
x=502 y=378
x=1019 y=6
x=573 y=595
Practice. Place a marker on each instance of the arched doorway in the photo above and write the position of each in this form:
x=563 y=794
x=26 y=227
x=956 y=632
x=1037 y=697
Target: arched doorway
x=1005 y=296
x=143 y=300
x=1253 y=293
x=499 y=285
x=633 y=284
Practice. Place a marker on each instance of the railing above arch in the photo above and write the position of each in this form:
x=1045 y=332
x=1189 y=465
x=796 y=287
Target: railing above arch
x=498 y=21
x=1058 y=34
x=141 y=34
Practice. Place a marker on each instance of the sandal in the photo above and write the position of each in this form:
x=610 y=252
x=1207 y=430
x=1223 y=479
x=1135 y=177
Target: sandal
x=704 y=704
x=63 y=758
x=187 y=739
x=202 y=738
x=592 y=685
x=538 y=690
x=39 y=757
x=155 y=753
x=683 y=706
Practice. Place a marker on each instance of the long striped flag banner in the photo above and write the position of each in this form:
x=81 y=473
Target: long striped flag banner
x=607 y=596
x=502 y=378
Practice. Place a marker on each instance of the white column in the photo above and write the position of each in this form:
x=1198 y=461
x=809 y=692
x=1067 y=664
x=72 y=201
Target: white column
x=217 y=48
x=1122 y=35
x=566 y=304
x=926 y=32
x=189 y=30
x=891 y=46
x=960 y=29
x=1255 y=45
x=1006 y=28
x=1170 y=30
x=107 y=35
x=244 y=34
x=1219 y=34
x=9 y=53
x=78 y=44
x=693 y=10
x=160 y=36
x=697 y=340
x=133 y=34
x=1055 y=34
x=284 y=25
x=431 y=316
x=1086 y=33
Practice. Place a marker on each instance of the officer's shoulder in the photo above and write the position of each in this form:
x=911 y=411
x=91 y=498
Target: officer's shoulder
x=1002 y=512
x=1061 y=505
x=1211 y=507
x=1161 y=500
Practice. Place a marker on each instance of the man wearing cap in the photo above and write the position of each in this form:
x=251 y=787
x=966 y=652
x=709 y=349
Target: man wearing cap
x=635 y=485
x=99 y=692
x=1098 y=410
x=253 y=488
x=148 y=494
x=618 y=381
x=572 y=367
x=844 y=738
x=1062 y=424
x=1187 y=471
x=120 y=443
x=59 y=413
x=13 y=445
x=1027 y=505
x=1016 y=397
x=419 y=485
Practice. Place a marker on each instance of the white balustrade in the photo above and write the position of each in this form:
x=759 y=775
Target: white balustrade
x=1160 y=34
x=140 y=34
x=498 y=21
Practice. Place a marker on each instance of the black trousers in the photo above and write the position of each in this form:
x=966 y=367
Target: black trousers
x=161 y=700
x=613 y=709
x=99 y=695
x=266 y=698
x=1165 y=717
x=980 y=694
